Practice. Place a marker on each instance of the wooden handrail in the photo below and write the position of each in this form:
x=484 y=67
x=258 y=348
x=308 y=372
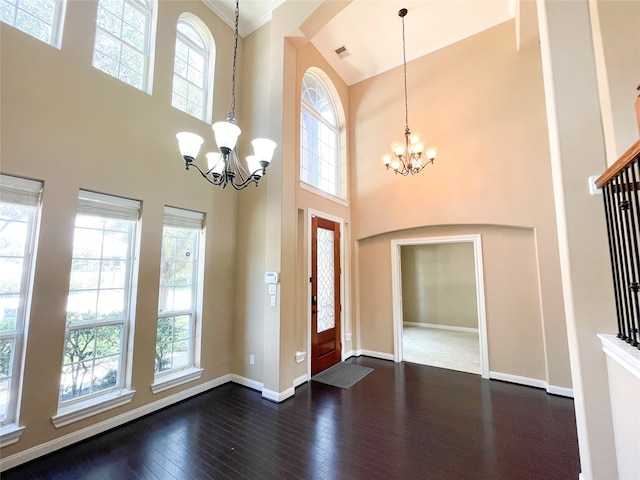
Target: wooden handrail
x=626 y=158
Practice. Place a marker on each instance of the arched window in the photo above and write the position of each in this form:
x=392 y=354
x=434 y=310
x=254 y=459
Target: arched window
x=320 y=150
x=193 y=68
x=42 y=19
x=123 y=44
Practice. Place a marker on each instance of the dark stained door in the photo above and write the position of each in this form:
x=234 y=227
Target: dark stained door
x=325 y=294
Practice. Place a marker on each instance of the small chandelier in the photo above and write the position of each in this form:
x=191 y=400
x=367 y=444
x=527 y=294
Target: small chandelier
x=407 y=157
x=224 y=167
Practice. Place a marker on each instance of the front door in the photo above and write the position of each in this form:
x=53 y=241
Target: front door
x=325 y=294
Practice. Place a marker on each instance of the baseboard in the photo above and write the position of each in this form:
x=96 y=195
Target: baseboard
x=247 y=382
x=441 y=327
x=371 y=353
x=347 y=355
x=300 y=380
x=278 y=397
x=532 y=382
x=507 y=377
x=74 y=437
x=561 y=391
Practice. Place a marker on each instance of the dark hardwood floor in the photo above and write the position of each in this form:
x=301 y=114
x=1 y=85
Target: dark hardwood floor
x=402 y=421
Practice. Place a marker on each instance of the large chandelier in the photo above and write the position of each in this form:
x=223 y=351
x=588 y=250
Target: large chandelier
x=408 y=157
x=224 y=167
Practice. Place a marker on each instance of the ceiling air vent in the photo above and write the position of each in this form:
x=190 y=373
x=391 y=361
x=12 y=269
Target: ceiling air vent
x=342 y=51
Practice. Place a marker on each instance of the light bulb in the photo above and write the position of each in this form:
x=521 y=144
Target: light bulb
x=386 y=159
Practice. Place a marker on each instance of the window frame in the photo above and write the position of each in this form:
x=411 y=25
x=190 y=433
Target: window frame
x=193 y=222
x=339 y=171
x=149 y=9
x=56 y=25
x=91 y=204
x=27 y=194
x=209 y=54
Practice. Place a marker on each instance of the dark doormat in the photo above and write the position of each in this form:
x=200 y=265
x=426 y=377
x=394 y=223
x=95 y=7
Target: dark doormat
x=342 y=375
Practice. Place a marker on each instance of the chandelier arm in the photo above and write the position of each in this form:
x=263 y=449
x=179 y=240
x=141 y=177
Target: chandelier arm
x=245 y=183
x=220 y=181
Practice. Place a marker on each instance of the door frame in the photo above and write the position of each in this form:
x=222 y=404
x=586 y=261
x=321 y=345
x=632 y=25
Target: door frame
x=317 y=213
x=396 y=288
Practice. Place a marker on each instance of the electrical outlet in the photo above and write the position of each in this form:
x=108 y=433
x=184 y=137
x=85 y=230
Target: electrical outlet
x=252 y=359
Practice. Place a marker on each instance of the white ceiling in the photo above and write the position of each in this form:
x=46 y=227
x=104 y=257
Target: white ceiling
x=371 y=30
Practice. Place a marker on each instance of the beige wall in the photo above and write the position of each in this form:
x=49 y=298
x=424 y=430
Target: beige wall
x=616 y=37
x=481 y=103
x=514 y=324
x=439 y=284
x=72 y=126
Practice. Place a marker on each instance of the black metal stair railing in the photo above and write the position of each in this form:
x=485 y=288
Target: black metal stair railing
x=620 y=187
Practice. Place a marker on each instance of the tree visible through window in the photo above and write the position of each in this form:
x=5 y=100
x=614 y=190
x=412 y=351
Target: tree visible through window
x=175 y=341
x=19 y=200
x=41 y=19
x=319 y=161
x=123 y=40
x=191 y=77
x=98 y=308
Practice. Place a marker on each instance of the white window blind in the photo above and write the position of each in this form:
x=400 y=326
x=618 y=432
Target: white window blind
x=20 y=190
x=92 y=203
x=174 y=217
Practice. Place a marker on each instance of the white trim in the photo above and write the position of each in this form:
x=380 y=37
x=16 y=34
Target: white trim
x=247 y=382
x=507 y=377
x=441 y=327
x=374 y=354
x=625 y=355
x=396 y=288
x=310 y=188
x=561 y=391
x=10 y=434
x=278 y=397
x=304 y=378
x=174 y=379
x=348 y=354
x=81 y=410
x=74 y=437
x=532 y=382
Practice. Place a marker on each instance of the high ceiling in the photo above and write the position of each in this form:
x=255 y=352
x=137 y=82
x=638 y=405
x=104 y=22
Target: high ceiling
x=371 y=30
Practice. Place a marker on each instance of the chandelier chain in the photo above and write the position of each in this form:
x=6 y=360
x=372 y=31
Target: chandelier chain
x=406 y=100
x=232 y=114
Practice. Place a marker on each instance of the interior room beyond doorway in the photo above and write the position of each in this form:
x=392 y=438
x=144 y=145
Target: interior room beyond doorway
x=439 y=306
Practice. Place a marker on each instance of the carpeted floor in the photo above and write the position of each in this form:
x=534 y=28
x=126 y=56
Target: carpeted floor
x=450 y=349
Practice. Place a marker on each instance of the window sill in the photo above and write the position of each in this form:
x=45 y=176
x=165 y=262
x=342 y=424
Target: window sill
x=81 y=410
x=10 y=434
x=174 y=379
x=328 y=196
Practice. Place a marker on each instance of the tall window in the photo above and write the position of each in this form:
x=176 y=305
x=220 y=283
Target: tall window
x=319 y=137
x=41 y=19
x=179 y=291
x=123 y=40
x=19 y=200
x=98 y=308
x=192 y=75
